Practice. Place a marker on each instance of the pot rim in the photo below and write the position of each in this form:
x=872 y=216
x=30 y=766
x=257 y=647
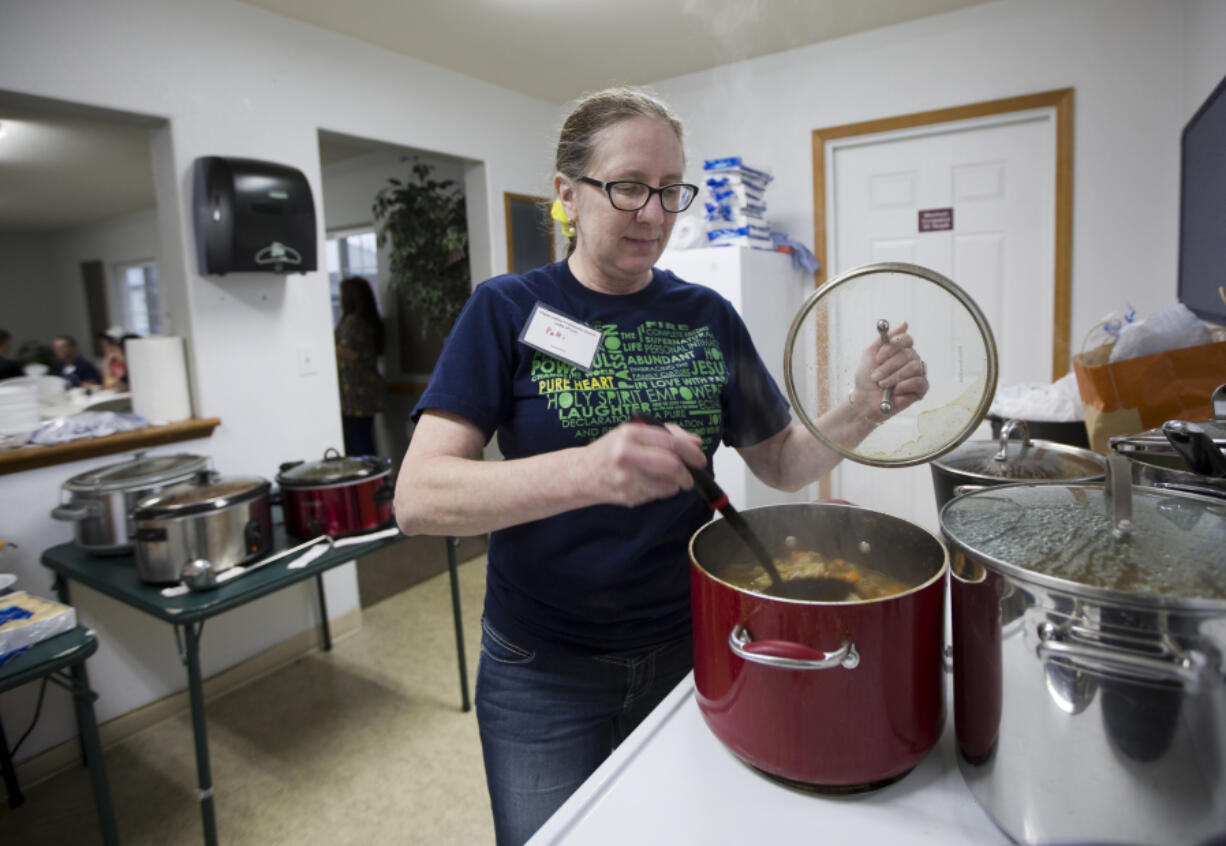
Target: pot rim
x=942 y=462
x=1097 y=595
x=188 y=466
x=938 y=575
x=306 y=487
x=154 y=511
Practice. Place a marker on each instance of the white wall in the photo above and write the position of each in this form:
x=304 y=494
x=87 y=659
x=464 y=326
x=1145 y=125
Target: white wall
x=234 y=80
x=36 y=301
x=1204 y=51
x=124 y=238
x=1127 y=60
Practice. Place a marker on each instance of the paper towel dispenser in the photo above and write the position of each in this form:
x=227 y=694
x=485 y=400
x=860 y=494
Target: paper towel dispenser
x=252 y=216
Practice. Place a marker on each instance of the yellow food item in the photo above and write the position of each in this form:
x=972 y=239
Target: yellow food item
x=864 y=582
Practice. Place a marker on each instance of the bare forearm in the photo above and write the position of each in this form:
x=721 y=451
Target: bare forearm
x=795 y=457
x=446 y=495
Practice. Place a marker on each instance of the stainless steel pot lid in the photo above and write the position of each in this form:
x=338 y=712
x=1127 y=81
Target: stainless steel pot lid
x=332 y=470
x=1067 y=536
x=138 y=472
x=1022 y=460
x=840 y=320
x=212 y=493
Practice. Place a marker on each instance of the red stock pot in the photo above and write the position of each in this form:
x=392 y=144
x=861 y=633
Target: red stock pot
x=338 y=496
x=846 y=696
x=833 y=696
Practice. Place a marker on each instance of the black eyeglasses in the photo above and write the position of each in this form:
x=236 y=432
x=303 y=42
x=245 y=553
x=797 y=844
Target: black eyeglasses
x=628 y=195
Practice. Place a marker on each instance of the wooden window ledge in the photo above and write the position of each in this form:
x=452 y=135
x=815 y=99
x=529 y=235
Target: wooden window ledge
x=30 y=457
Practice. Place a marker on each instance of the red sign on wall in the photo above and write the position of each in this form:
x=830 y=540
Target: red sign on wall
x=936 y=220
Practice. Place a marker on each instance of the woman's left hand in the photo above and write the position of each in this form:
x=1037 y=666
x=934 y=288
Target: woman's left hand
x=894 y=365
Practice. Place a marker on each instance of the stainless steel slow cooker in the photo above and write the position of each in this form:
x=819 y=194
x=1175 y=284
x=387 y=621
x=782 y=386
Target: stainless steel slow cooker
x=99 y=502
x=1088 y=641
x=980 y=463
x=225 y=520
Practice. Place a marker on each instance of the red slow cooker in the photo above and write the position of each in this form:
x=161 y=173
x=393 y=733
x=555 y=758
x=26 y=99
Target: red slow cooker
x=338 y=496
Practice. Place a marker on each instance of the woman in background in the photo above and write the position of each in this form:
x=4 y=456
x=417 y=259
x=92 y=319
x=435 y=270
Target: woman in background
x=359 y=343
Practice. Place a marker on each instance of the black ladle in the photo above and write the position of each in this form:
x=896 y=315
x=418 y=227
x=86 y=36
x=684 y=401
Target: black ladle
x=811 y=588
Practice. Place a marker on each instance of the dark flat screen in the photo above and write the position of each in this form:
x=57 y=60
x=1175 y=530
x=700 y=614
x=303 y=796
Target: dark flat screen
x=1202 y=213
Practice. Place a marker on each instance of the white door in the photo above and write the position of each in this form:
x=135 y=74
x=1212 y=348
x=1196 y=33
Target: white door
x=997 y=175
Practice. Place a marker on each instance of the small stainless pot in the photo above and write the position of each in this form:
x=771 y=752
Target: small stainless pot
x=225 y=520
x=1157 y=461
x=99 y=502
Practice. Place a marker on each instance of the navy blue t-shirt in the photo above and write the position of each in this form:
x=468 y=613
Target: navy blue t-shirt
x=605 y=578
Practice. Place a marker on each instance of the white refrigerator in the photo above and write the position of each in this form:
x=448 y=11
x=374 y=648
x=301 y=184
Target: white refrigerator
x=767 y=291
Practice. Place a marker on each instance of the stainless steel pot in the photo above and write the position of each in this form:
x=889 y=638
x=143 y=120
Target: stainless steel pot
x=225 y=520
x=1179 y=455
x=1089 y=629
x=99 y=502
x=983 y=463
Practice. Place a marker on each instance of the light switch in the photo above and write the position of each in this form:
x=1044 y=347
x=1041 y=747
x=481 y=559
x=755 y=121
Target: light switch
x=307 y=361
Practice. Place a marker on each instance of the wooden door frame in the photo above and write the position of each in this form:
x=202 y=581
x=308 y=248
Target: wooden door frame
x=1062 y=101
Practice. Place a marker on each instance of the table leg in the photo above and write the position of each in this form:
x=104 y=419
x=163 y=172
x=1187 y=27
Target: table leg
x=323 y=612
x=452 y=543
x=195 y=690
x=60 y=585
x=10 y=774
x=83 y=699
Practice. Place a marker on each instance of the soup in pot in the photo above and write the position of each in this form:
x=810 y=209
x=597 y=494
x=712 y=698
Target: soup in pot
x=863 y=583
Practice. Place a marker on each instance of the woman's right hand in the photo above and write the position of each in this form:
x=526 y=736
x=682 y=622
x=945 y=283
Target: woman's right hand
x=636 y=463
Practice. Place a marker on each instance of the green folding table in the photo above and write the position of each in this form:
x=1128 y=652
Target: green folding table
x=116 y=576
x=61 y=659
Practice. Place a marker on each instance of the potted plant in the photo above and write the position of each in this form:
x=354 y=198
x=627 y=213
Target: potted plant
x=423 y=220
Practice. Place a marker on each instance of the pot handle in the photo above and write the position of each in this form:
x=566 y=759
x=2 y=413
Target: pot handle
x=1185 y=668
x=77 y=511
x=965 y=489
x=786 y=655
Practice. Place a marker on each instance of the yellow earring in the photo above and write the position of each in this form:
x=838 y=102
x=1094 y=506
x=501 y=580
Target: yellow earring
x=558 y=213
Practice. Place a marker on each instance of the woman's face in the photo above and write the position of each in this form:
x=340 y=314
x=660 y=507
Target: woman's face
x=617 y=249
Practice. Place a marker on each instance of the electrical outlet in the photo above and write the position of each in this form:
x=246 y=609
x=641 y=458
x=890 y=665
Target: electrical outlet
x=307 y=361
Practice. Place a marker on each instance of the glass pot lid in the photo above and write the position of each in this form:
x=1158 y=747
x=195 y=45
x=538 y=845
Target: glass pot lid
x=839 y=322
x=333 y=469
x=1022 y=460
x=1072 y=535
x=209 y=493
x=138 y=472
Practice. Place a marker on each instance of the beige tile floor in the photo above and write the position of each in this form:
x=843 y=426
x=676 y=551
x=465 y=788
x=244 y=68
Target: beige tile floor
x=362 y=745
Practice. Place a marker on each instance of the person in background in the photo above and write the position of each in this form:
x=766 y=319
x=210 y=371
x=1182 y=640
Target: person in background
x=359 y=343
x=9 y=367
x=72 y=366
x=114 y=364
x=586 y=623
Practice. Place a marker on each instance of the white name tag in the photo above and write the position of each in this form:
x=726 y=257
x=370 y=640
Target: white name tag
x=557 y=335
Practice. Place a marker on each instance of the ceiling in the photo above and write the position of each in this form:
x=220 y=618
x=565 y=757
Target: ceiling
x=556 y=50
x=63 y=166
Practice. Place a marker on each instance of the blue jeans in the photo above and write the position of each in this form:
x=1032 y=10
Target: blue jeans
x=548 y=721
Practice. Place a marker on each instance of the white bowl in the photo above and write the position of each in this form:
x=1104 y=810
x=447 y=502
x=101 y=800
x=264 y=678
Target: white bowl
x=37 y=369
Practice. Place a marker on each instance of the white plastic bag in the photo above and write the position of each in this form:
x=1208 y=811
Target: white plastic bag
x=1169 y=329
